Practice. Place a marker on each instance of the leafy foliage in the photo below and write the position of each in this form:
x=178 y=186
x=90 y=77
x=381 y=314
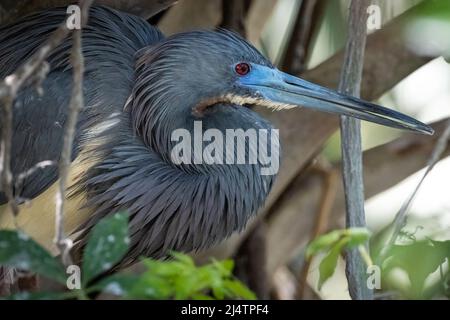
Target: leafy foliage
x=178 y=278
x=107 y=245
x=333 y=244
x=425 y=262
x=20 y=251
x=419 y=259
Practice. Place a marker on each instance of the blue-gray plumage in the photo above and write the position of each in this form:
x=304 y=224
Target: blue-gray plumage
x=139 y=87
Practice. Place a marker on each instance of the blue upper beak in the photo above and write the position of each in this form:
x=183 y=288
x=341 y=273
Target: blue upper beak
x=281 y=88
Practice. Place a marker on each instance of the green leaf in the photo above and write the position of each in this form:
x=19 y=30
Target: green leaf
x=353 y=236
x=165 y=268
x=328 y=264
x=225 y=267
x=322 y=243
x=228 y=265
x=18 y=250
x=418 y=259
x=121 y=285
x=239 y=290
x=150 y=286
x=357 y=236
x=107 y=245
x=185 y=286
x=184 y=258
x=219 y=291
x=182 y=279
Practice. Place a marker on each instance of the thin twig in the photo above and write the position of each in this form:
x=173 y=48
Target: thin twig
x=76 y=103
x=351 y=145
x=34 y=70
x=401 y=216
x=9 y=88
x=5 y=151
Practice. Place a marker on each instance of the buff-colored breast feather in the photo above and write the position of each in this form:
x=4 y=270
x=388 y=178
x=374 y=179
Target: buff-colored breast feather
x=37 y=217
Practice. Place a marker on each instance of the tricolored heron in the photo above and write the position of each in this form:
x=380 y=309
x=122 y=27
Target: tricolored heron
x=139 y=87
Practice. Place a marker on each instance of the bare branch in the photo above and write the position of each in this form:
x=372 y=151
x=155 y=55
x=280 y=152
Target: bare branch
x=296 y=53
x=5 y=151
x=76 y=104
x=351 y=145
x=233 y=16
x=34 y=70
x=401 y=216
x=9 y=87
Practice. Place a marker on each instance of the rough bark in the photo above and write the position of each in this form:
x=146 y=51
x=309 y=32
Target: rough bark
x=351 y=147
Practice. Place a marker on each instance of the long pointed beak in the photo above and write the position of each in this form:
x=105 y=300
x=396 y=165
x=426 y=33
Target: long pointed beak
x=282 y=89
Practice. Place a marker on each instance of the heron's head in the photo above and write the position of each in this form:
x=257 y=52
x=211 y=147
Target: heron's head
x=216 y=75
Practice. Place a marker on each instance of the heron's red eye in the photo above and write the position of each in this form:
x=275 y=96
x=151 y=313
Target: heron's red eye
x=242 y=68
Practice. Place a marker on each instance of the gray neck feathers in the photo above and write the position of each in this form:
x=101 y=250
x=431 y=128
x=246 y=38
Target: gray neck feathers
x=169 y=208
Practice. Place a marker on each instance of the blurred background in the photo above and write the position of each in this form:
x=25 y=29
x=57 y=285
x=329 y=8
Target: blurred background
x=425 y=94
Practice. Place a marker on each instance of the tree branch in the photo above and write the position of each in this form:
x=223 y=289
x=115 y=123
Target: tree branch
x=33 y=70
x=76 y=104
x=233 y=16
x=9 y=88
x=351 y=146
x=296 y=52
